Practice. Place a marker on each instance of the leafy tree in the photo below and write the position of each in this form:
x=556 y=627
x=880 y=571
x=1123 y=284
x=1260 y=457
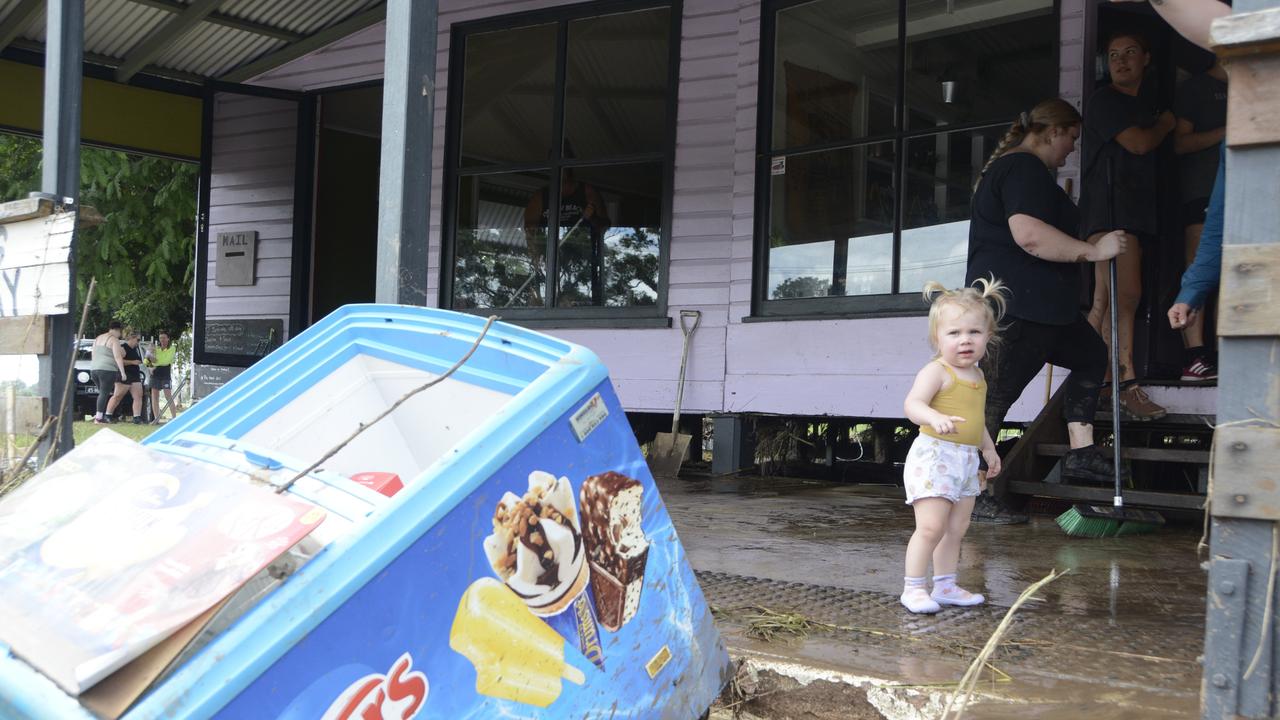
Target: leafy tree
x=802 y=286
x=142 y=254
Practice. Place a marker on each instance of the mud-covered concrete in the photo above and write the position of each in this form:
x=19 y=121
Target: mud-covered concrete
x=1116 y=638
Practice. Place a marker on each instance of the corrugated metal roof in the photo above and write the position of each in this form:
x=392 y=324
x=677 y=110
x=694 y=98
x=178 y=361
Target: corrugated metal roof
x=236 y=33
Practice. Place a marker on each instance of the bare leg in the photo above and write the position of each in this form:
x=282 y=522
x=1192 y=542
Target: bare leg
x=174 y=406
x=1079 y=434
x=946 y=556
x=1129 y=273
x=135 y=389
x=155 y=404
x=931 y=526
x=1128 y=295
x=117 y=394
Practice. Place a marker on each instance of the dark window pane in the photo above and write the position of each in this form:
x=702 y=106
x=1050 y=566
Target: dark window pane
x=507 y=89
x=970 y=61
x=616 y=90
x=499 y=242
x=940 y=172
x=835 y=71
x=831 y=223
x=609 y=227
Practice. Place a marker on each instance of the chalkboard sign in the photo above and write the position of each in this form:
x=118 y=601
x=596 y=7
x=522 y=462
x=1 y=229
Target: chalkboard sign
x=251 y=337
x=211 y=377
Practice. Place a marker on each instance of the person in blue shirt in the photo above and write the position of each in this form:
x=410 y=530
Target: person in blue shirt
x=1205 y=271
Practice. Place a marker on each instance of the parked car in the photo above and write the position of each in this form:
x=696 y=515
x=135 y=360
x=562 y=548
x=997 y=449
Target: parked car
x=86 y=400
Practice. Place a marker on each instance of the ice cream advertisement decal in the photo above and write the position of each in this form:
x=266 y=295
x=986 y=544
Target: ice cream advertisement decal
x=565 y=571
x=555 y=588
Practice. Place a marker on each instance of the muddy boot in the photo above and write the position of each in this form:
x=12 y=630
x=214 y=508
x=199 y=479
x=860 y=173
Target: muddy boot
x=987 y=509
x=1135 y=404
x=1091 y=464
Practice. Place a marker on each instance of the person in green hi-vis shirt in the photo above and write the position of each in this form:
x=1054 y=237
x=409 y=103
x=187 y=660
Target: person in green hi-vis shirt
x=160 y=360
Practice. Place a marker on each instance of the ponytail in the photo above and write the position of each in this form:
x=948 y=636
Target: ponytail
x=1051 y=113
x=986 y=296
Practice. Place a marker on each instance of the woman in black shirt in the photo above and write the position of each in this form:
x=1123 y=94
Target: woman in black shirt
x=1023 y=232
x=1122 y=131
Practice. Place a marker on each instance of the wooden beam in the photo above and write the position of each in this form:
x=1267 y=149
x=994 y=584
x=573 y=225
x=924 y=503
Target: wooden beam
x=18 y=18
x=26 y=335
x=1103 y=495
x=30 y=415
x=25 y=209
x=1245 y=483
x=1248 y=33
x=1246 y=304
x=161 y=39
x=234 y=23
x=307 y=45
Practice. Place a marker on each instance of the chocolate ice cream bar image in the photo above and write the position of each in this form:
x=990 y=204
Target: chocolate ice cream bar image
x=616 y=546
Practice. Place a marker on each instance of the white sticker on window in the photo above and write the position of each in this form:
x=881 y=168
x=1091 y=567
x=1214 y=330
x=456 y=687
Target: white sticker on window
x=778 y=166
x=588 y=417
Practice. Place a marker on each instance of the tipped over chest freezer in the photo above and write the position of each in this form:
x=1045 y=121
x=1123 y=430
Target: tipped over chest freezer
x=527 y=567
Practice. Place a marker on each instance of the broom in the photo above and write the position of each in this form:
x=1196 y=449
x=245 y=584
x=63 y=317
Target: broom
x=1099 y=521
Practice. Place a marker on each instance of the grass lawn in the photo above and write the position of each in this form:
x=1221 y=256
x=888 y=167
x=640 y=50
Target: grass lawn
x=82 y=430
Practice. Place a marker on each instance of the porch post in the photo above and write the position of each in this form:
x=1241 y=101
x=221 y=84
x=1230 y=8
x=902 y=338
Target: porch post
x=64 y=55
x=1241 y=677
x=404 y=195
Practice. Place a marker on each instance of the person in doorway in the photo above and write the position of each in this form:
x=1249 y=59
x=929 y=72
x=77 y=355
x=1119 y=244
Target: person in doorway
x=160 y=360
x=131 y=382
x=1023 y=231
x=1197 y=139
x=1122 y=132
x=107 y=368
x=941 y=475
x=580 y=242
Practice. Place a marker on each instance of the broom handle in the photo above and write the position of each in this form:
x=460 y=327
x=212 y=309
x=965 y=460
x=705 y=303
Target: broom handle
x=1115 y=341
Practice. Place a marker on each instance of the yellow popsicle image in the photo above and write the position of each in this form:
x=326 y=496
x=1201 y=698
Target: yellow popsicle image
x=516 y=655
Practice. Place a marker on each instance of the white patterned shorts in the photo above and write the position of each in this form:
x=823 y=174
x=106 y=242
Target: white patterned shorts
x=939 y=468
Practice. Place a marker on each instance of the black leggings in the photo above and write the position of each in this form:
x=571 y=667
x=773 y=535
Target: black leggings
x=106 y=381
x=1025 y=347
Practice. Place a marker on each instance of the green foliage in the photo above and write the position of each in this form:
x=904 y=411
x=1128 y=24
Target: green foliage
x=143 y=253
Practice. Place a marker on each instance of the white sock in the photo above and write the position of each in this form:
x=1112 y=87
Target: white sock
x=947 y=592
x=915 y=596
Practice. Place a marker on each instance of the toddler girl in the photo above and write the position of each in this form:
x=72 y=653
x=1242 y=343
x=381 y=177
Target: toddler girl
x=941 y=473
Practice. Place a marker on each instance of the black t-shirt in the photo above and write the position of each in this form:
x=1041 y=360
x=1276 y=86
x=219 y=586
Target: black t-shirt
x=1039 y=290
x=1111 y=112
x=1202 y=101
x=132 y=373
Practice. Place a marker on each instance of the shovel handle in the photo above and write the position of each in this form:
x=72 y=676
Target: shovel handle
x=687 y=331
x=1118 y=500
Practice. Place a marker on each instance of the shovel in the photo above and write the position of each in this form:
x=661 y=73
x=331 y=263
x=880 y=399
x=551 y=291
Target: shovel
x=668 y=451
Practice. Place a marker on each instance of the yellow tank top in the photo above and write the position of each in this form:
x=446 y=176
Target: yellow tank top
x=962 y=399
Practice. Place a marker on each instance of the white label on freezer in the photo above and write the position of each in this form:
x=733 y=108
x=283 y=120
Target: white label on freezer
x=588 y=417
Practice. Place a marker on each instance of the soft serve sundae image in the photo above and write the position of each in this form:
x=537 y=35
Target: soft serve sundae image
x=536 y=545
x=536 y=549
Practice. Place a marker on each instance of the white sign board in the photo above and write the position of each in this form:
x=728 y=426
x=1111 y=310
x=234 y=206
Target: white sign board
x=35 y=278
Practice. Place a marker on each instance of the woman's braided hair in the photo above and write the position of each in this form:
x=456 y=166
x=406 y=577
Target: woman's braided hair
x=1051 y=113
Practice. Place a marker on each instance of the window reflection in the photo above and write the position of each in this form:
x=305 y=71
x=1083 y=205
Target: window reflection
x=609 y=227
x=616 y=84
x=940 y=171
x=826 y=89
x=499 y=256
x=823 y=206
x=507 y=95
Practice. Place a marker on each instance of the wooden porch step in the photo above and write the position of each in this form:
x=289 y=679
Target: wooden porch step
x=1188 y=421
x=1192 y=457
x=1104 y=495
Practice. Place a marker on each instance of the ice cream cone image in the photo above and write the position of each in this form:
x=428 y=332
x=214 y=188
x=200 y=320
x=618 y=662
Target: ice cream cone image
x=516 y=656
x=536 y=545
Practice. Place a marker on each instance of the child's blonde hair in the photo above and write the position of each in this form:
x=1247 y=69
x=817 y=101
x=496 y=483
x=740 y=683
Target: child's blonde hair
x=985 y=296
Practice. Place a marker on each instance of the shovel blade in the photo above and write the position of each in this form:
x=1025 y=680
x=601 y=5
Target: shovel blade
x=667 y=454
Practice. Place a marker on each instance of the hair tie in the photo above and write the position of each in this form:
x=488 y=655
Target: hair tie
x=1025 y=120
